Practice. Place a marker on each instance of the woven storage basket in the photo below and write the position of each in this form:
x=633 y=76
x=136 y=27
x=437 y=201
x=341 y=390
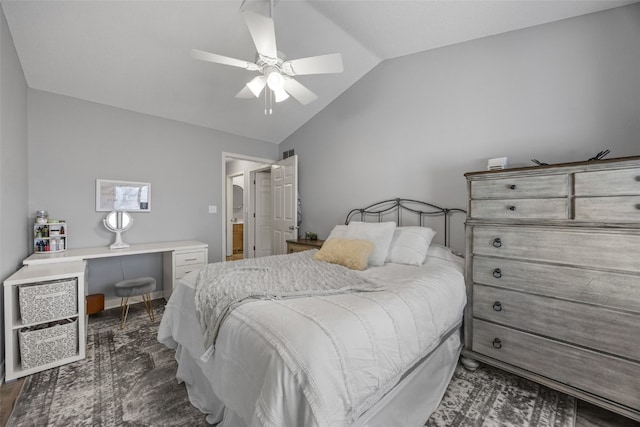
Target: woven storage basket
x=40 y=344
x=43 y=302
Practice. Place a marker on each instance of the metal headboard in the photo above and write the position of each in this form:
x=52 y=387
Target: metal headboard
x=382 y=210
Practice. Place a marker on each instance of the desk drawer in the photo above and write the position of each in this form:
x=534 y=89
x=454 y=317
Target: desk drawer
x=608 y=209
x=520 y=208
x=586 y=248
x=189 y=258
x=603 y=375
x=589 y=326
x=608 y=183
x=520 y=188
x=182 y=270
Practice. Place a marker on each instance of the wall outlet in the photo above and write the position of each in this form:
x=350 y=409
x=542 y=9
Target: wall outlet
x=213 y=209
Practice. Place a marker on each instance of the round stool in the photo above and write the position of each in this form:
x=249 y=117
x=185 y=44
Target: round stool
x=125 y=289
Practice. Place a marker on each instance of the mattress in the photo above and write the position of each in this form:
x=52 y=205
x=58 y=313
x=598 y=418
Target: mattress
x=318 y=361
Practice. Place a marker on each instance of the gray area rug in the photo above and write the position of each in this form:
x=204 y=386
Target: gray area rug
x=128 y=379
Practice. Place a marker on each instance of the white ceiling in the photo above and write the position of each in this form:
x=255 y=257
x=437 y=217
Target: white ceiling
x=135 y=54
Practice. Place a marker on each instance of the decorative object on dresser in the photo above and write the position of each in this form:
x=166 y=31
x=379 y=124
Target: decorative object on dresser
x=553 y=277
x=298 y=245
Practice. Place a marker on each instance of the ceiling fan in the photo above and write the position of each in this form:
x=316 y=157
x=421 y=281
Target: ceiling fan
x=276 y=73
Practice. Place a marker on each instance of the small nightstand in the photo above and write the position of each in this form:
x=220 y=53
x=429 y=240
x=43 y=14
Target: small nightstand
x=303 y=245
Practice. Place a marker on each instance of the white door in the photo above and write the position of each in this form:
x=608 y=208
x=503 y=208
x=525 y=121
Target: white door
x=262 y=229
x=229 y=215
x=284 y=191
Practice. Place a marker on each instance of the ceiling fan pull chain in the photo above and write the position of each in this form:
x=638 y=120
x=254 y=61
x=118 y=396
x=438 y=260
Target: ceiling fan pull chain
x=270 y=101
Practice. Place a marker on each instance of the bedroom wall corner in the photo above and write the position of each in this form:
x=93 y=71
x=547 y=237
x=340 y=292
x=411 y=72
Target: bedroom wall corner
x=414 y=125
x=14 y=217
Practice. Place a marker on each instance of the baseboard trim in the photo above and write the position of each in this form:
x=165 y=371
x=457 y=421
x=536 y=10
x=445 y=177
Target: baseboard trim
x=115 y=302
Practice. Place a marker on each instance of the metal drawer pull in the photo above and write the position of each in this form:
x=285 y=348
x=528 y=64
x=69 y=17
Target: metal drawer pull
x=513 y=186
x=497 y=242
x=512 y=208
x=190 y=259
x=497 y=343
x=497 y=273
x=497 y=306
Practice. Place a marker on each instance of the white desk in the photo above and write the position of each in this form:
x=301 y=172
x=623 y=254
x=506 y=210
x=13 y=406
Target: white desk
x=179 y=257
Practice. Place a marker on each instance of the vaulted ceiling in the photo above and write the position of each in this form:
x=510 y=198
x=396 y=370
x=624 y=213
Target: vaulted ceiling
x=136 y=54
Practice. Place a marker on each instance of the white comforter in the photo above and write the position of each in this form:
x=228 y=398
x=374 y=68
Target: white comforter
x=323 y=361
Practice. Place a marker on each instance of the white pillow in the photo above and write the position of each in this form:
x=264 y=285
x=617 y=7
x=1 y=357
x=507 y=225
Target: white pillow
x=410 y=245
x=443 y=252
x=339 y=231
x=380 y=233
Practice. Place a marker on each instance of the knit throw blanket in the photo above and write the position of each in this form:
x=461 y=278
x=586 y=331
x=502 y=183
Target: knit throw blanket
x=223 y=286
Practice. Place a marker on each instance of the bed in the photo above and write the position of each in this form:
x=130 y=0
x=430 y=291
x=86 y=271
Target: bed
x=376 y=356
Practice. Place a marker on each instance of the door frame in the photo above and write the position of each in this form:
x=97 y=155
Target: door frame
x=226 y=156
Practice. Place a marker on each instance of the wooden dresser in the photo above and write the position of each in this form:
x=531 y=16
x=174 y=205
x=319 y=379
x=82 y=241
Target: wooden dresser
x=553 y=277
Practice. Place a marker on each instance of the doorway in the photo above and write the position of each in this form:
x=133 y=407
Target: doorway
x=238 y=222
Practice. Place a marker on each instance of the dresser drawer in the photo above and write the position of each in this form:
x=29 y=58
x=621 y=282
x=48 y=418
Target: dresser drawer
x=608 y=183
x=520 y=188
x=519 y=208
x=602 y=375
x=590 y=326
x=189 y=258
x=608 y=209
x=603 y=288
x=579 y=247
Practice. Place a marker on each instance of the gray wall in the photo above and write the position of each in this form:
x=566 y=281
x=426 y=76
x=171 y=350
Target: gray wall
x=414 y=125
x=14 y=223
x=73 y=142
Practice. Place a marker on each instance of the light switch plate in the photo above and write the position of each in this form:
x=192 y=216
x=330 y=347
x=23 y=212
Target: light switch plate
x=213 y=209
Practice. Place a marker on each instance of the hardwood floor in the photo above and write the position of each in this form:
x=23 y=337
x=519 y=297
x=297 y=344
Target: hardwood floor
x=8 y=394
x=587 y=415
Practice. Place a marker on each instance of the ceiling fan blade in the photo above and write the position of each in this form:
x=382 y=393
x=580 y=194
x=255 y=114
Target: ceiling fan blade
x=263 y=33
x=322 y=64
x=220 y=59
x=298 y=91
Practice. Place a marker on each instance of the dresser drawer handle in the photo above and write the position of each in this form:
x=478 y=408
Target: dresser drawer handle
x=512 y=208
x=497 y=343
x=191 y=259
x=513 y=186
x=497 y=243
x=497 y=273
x=497 y=306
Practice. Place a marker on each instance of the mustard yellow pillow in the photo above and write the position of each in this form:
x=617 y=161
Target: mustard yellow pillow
x=353 y=254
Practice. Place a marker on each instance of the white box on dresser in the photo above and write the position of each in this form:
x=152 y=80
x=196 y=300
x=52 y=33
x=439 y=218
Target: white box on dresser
x=553 y=277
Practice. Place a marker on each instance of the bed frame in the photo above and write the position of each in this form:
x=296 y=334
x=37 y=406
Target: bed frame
x=397 y=209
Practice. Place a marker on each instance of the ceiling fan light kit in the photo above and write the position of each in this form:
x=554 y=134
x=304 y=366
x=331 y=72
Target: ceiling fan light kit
x=276 y=74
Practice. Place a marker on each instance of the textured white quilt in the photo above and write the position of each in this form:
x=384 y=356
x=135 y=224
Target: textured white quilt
x=221 y=287
x=325 y=360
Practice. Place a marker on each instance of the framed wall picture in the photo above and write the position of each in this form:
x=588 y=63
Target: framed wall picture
x=122 y=196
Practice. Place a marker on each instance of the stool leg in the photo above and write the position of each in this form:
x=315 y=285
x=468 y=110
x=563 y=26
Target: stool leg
x=124 y=311
x=147 y=305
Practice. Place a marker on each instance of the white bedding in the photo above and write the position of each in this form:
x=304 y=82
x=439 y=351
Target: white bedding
x=322 y=361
